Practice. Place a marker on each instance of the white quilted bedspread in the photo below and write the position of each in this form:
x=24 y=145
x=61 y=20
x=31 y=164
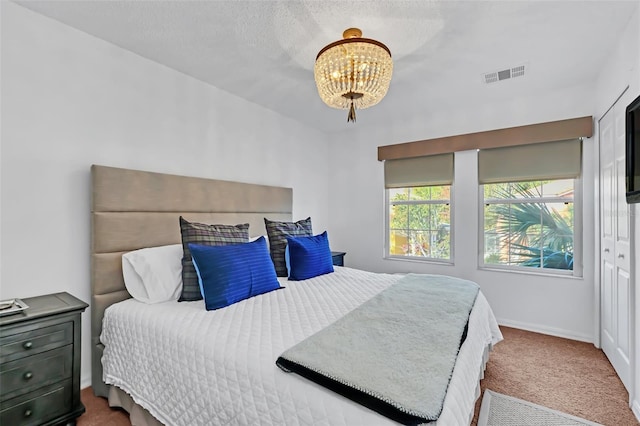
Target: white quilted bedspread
x=188 y=366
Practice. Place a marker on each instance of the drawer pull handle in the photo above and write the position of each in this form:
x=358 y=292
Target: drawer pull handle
x=27 y=345
x=28 y=375
x=27 y=413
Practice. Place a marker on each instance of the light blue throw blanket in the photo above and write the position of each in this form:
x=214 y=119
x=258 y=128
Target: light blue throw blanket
x=396 y=352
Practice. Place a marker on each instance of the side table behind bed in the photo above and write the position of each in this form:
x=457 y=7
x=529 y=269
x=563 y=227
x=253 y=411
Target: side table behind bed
x=40 y=362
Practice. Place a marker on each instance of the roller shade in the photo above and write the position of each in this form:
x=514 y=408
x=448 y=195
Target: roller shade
x=419 y=171
x=541 y=161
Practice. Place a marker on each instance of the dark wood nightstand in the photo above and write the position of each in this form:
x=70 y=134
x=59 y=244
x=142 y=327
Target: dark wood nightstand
x=338 y=258
x=40 y=362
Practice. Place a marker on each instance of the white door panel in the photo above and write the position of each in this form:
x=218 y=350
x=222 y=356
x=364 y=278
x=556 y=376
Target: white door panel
x=607 y=205
x=622 y=217
x=607 y=306
x=622 y=309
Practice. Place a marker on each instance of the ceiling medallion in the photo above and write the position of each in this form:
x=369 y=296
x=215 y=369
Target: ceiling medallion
x=353 y=73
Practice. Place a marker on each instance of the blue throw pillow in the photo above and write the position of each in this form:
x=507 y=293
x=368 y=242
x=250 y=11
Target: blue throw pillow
x=309 y=256
x=233 y=273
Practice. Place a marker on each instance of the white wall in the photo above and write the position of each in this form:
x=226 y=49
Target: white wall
x=622 y=70
x=553 y=305
x=70 y=100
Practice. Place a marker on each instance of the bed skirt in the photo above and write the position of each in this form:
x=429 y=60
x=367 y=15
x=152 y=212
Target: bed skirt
x=137 y=415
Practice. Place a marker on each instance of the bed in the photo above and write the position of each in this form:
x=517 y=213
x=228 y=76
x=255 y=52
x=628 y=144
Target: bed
x=176 y=363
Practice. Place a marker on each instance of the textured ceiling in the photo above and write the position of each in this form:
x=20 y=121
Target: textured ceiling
x=264 y=51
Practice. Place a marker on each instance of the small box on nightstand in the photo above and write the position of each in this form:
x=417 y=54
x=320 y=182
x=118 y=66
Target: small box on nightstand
x=338 y=258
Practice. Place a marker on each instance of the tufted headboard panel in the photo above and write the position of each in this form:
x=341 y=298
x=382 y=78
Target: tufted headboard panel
x=132 y=209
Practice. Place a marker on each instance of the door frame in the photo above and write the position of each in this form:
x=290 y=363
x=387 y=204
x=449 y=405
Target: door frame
x=597 y=272
x=597 y=285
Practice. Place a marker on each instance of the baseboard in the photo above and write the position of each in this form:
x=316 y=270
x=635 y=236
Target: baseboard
x=552 y=331
x=636 y=409
x=85 y=382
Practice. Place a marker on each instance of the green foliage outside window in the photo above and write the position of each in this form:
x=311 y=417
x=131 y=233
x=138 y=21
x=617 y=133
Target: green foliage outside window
x=419 y=222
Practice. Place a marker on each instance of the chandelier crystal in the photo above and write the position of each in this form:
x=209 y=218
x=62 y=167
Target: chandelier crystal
x=353 y=73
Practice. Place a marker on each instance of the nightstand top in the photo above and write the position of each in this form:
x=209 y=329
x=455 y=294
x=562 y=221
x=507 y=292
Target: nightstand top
x=338 y=253
x=43 y=306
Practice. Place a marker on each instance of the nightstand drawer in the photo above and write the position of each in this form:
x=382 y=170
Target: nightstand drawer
x=25 y=341
x=37 y=407
x=30 y=373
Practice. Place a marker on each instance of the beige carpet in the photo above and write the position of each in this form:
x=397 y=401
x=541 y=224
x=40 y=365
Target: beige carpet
x=565 y=375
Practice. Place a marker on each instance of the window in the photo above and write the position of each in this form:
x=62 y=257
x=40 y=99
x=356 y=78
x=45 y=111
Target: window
x=529 y=224
x=419 y=207
x=419 y=222
x=531 y=207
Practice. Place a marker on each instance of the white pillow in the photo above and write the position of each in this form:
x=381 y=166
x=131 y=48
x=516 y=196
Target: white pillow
x=153 y=275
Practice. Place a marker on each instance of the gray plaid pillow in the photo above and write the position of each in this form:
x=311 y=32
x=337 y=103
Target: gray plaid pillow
x=278 y=233
x=209 y=235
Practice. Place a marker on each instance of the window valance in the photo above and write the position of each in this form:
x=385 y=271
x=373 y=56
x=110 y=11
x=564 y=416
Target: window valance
x=522 y=135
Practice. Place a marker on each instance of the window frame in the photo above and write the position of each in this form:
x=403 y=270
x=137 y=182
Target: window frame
x=387 y=230
x=578 y=213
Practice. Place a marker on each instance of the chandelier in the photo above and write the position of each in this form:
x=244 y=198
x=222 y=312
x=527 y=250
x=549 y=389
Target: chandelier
x=353 y=73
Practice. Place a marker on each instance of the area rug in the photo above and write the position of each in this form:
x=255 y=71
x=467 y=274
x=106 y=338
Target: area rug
x=503 y=410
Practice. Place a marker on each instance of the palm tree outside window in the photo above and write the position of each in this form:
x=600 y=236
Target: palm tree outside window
x=529 y=224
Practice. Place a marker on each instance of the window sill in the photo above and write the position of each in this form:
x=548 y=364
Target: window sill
x=420 y=260
x=527 y=272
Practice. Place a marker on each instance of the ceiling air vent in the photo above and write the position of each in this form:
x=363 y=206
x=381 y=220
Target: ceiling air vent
x=492 y=77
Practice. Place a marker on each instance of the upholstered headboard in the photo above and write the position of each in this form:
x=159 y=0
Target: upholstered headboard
x=133 y=209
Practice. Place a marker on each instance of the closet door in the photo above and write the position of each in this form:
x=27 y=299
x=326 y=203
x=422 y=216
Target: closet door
x=615 y=243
